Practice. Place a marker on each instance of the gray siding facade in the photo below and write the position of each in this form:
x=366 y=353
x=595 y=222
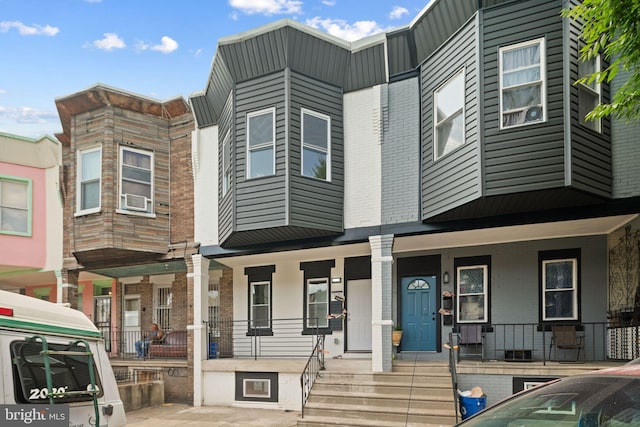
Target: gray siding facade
x=316 y=203
x=453 y=179
x=625 y=150
x=226 y=204
x=529 y=157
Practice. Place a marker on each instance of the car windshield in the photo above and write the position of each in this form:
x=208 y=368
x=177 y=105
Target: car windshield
x=589 y=401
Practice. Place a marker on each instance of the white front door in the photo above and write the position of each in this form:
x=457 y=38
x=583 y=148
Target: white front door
x=132 y=330
x=358 y=315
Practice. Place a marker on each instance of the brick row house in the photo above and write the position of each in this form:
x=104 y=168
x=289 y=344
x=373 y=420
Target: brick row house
x=439 y=177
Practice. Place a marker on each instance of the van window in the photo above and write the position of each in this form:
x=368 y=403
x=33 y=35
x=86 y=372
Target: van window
x=69 y=373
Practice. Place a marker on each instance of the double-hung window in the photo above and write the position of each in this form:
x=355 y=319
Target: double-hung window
x=316 y=145
x=260 y=305
x=589 y=93
x=136 y=180
x=226 y=163
x=317 y=303
x=15 y=206
x=560 y=289
x=89 y=180
x=448 y=103
x=472 y=282
x=522 y=83
x=261 y=143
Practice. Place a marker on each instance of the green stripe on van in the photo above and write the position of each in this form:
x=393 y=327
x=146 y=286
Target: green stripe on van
x=7 y=322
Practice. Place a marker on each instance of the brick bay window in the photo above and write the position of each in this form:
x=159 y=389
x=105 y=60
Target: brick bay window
x=136 y=180
x=15 y=206
x=522 y=83
x=89 y=178
x=560 y=281
x=259 y=299
x=261 y=131
x=448 y=101
x=316 y=145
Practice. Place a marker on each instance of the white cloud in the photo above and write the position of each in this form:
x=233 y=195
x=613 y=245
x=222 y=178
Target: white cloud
x=27 y=114
x=29 y=30
x=110 y=41
x=344 y=30
x=167 y=45
x=398 y=12
x=3 y=91
x=93 y=1
x=329 y=2
x=268 y=7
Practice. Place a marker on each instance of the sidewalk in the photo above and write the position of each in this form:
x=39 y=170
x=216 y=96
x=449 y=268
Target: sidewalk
x=173 y=415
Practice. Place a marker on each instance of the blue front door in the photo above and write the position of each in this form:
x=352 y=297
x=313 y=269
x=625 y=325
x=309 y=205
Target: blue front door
x=418 y=313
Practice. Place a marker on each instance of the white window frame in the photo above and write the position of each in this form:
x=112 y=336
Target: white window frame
x=252 y=320
x=80 y=182
x=573 y=289
x=226 y=163
x=29 y=204
x=304 y=146
x=459 y=112
x=266 y=384
x=271 y=144
x=542 y=81
x=484 y=293
x=323 y=322
x=596 y=90
x=148 y=201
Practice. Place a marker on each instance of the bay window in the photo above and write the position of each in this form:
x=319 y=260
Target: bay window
x=448 y=115
x=261 y=143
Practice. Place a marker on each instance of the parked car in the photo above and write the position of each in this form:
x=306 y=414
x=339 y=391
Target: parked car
x=605 y=398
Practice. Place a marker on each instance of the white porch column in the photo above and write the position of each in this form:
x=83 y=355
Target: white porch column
x=381 y=312
x=200 y=277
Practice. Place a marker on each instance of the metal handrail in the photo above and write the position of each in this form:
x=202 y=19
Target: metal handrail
x=311 y=371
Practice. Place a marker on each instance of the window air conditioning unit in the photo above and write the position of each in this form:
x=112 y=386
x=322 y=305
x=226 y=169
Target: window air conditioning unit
x=533 y=114
x=134 y=202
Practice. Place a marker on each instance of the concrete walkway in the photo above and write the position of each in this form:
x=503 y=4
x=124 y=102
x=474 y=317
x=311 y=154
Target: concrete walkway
x=173 y=414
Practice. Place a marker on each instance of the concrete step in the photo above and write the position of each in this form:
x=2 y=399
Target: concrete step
x=408 y=399
x=424 y=389
x=398 y=378
x=384 y=415
x=320 y=421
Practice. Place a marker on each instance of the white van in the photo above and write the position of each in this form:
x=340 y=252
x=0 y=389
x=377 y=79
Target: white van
x=54 y=355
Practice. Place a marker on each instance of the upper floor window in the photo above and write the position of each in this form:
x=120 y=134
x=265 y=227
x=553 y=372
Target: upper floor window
x=261 y=143
x=522 y=83
x=15 y=206
x=316 y=145
x=448 y=103
x=560 y=289
x=226 y=163
x=589 y=93
x=89 y=180
x=136 y=180
x=472 y=284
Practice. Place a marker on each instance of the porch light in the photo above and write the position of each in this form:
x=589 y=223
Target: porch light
x=445 y=277
x=336 y=280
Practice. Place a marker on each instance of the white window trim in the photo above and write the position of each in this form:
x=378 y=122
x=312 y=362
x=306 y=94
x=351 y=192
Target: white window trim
x=543 y=79
x=252 y=319
x=272 y=111
x=461 y=111
x=597 y=92
x=29 y=209
x=323 y=323
x=80 y=211
x=574 y=288
x=485 y=278
x=121 y=207
x=327 y=118
x=226 y=168
x=262 y=380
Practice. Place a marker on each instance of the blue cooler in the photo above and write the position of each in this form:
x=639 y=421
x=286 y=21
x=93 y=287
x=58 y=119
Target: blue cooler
x=213 y=350
x=471 y=405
